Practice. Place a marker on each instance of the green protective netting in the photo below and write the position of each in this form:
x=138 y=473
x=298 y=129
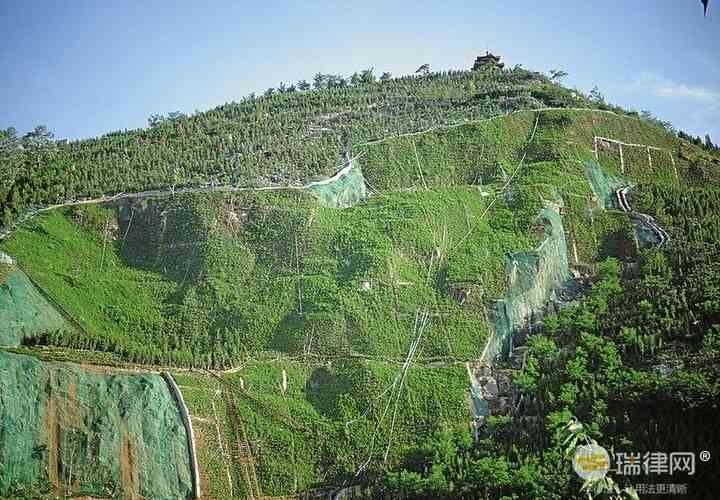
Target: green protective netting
x=603 y=184
x=24 y=312
x=534 y=278
x=647 y=238
x=346 y=190
x=481 y=408
x=65 y=430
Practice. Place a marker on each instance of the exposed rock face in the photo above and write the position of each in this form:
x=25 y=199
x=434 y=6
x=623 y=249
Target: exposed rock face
x=6 y=259
x=489 y=387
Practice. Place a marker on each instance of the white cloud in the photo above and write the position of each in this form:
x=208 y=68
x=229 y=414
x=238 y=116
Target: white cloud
x=664 y=87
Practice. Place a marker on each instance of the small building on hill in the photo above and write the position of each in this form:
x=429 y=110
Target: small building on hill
x=488 y=59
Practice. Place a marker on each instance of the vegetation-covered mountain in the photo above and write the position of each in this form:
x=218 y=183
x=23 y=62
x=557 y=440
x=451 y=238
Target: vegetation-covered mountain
x=332 y=333
x=286 y=136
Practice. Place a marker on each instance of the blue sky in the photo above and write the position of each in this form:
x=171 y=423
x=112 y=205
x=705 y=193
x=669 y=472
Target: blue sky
x=85 y=68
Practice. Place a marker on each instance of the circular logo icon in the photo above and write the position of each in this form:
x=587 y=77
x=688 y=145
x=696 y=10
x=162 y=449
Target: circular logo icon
x=591 y=461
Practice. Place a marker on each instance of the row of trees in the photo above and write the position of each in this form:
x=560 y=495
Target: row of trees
x=286 y=137
x=327 y=81
x=707 y=144
x=39 y=137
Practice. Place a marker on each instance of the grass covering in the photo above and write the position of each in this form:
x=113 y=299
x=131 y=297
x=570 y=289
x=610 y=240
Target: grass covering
x=299 y=438
x=206 y=280
x=212 y=281
x=278 y=272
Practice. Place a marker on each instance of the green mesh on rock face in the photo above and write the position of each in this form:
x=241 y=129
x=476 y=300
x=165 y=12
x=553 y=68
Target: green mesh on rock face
x=346 y=190
x=533 y=280
x=646 y=237
x=603 y=184
x=68 y=431
x=24 y=312
x=480 y=407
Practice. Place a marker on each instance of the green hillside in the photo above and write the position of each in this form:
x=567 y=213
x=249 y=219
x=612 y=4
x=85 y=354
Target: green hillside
x=329 y=331
x=205 y=280
x=285 y=138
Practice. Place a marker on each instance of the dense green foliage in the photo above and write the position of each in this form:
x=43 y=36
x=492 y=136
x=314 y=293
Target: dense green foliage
x=636 y=360
x=206 y=280
x=224 y=277
x=644 y=378
x=266 y=281
x=321 y=430
x=283 y=137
